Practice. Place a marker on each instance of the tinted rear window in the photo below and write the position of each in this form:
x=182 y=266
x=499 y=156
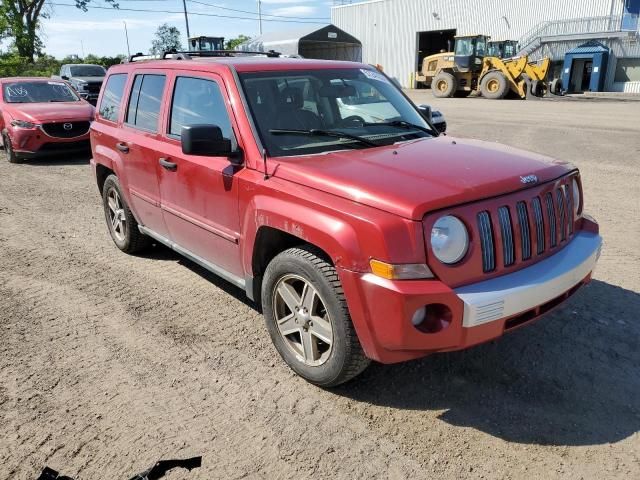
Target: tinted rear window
x=110 y=103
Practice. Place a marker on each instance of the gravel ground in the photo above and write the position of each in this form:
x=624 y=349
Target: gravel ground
x=109 y=362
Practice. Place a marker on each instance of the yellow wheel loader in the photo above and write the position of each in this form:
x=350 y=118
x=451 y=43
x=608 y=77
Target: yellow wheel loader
x=472 y=68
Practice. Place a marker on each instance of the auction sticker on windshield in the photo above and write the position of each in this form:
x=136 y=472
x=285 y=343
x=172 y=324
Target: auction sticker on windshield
x=17 y=91
x=373 y=75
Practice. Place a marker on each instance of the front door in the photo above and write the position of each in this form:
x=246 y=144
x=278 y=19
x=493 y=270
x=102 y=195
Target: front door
x=198 y=194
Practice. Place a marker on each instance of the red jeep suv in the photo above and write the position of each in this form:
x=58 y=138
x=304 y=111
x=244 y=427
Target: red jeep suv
x=363 y=235
x=41 y=116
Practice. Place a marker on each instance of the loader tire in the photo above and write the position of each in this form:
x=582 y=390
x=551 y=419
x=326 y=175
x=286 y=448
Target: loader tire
x=494 y=85
x=444 y=85
x=537 y=88
x=556 y=86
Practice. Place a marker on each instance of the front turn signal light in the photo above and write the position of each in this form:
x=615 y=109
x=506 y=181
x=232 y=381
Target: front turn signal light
x=403 y=271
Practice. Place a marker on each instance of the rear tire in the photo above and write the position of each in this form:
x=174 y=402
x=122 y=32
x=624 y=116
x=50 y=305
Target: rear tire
x=444 y=85
x=308 y=320
x=494 y=85
x=537 y=88
x=9 y=153
x=556 y=86
x=122 y=225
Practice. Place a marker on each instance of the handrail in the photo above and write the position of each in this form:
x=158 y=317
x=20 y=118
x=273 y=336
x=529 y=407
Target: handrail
x=606 y=23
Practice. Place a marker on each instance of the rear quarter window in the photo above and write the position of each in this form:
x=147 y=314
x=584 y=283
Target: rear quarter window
x=112 y=96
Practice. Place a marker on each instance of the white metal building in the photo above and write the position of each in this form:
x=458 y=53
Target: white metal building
x=397 y=34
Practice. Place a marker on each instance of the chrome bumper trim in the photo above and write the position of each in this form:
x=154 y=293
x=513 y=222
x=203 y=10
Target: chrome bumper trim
x=535 y=285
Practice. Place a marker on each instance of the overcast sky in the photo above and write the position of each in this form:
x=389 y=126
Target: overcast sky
x=101 y=32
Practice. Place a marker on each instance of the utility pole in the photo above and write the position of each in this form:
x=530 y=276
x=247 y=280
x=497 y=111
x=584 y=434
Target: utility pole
x=260 y=15
x=186 y=20
x=82 y=48
x=126 y=34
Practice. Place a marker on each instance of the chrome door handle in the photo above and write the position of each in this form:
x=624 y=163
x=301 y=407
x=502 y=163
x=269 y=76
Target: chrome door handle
x=168 y=165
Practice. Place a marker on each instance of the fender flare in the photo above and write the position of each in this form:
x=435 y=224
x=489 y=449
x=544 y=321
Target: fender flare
x=110 y=159
x=308 y=223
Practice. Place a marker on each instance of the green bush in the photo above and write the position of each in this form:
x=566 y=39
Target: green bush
x=12 y=65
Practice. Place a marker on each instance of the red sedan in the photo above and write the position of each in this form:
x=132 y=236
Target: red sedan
x=41 y=116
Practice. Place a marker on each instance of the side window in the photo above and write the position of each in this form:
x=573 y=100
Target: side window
x=110 y=104
x=198 y=101
x=145 y=100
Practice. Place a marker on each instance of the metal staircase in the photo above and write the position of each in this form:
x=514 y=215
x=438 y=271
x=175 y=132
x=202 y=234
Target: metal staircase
x=586 y=28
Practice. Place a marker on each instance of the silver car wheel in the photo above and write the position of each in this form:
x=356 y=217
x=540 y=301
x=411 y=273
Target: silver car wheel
x=303 y=320
x=117 y=218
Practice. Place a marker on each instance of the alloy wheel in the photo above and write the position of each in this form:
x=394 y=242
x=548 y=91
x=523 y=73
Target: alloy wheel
x=303 y=320
x=117 y=217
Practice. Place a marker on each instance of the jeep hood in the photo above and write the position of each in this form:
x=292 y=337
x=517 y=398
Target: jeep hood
x=413 y=178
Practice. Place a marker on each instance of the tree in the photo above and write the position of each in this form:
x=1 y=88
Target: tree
x=166 y=38
x=232 y=43
x=20 y=20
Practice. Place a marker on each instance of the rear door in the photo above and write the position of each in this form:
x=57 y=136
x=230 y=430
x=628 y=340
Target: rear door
x=140 y=144
x=199 y=196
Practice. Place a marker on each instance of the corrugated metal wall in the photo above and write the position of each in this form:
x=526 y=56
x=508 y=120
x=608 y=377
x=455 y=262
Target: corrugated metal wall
x=620 y=48
x=388 y=28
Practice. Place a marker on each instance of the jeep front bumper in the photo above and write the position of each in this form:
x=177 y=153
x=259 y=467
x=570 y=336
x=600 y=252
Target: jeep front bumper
x=382 y=309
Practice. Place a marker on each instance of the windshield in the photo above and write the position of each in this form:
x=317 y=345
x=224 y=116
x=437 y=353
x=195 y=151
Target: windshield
x=481 y=46
x=509 y=50
x=471 y=46
x=362 y=104
x=36 y=92
x=464 y=47
x=87 y=71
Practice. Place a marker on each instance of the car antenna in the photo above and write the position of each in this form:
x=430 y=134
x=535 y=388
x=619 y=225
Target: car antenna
x=264 y=162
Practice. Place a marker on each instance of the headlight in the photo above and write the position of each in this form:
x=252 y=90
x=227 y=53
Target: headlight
x=449 y=239
x=577 y=206
x=81 y=85
x=23 y=124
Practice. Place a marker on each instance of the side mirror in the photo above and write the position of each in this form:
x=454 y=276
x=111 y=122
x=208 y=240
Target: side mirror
x=206 y=140
x=425 y=110
x=64 y=77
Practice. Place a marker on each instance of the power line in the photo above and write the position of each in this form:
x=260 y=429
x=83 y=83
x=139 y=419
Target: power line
x=254 y=13
x=95 y=7
x=292 y=17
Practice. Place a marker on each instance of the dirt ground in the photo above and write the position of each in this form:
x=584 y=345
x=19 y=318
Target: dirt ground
x=109 y=362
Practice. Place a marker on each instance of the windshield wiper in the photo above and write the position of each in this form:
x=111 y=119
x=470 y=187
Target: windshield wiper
x=399 y=123
x=58 y=100
x=324 y=133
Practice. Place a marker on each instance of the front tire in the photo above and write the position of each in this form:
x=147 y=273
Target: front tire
x=494 y=85
x=444 y=85
x=122 y=225
x=308 y=320
x=9 y=152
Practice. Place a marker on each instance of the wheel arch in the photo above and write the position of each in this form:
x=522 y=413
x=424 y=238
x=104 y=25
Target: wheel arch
x=272 y=225
x=102 y=172
x=269 y=243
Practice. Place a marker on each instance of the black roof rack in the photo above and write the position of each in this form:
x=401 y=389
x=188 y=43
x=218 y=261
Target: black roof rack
x=189 y=54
